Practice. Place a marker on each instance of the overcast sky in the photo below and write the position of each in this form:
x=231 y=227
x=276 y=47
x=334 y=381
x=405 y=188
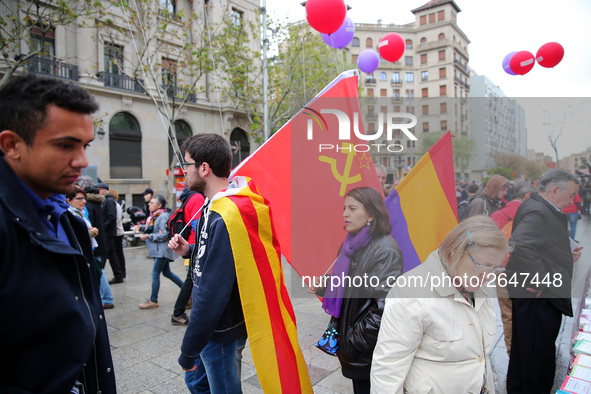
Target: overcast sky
x=498 y=27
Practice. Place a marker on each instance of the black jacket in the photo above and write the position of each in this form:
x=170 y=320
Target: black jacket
x=53 y=327
x=542 y=253
x=110 y=216
x=361 y=312
x=94 y=206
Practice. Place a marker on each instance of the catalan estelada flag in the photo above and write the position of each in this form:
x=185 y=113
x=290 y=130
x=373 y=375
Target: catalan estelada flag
x=423 y=207
x=268 y=313
x=307 y=167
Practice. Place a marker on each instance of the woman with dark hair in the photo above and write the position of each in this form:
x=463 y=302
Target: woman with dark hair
x=155 y=233
x=368 y=263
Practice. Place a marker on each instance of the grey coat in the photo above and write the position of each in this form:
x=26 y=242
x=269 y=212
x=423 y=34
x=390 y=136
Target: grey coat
x=157 y=241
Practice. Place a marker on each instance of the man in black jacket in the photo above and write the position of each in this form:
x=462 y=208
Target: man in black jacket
x=53 y=337
x=539 y=276
x=109 y=212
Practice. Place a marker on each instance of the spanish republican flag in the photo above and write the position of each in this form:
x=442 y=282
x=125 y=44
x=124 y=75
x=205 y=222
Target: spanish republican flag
x=269 y=316
x=307 y=167
x=423 y=207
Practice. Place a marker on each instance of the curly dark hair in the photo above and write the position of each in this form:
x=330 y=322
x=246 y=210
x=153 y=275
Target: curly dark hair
x=24 y=101
x=212 y=149
x=374 y=205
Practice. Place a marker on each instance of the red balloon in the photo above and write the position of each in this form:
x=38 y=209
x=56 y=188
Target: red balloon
x=550 y=54
x=391 y=47
x=326 y=16
x=522 y=62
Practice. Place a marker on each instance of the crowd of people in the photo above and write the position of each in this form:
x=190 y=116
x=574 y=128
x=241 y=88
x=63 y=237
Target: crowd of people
x=58 y=229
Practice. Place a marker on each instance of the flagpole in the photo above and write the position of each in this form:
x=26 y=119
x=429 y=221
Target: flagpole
x=265 y=73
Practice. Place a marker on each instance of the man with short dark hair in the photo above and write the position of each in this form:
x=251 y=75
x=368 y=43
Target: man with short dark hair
x=53 y=337
x=238 y=283
x=148 y=194
x=539 y=275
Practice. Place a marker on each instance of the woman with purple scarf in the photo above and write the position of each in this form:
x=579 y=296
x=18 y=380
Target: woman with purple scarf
x=367 y=264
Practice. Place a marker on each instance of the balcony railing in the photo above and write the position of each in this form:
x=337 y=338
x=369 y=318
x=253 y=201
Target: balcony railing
x=53 y=67
x=179 y=93
x=120 y=81
x=370 y=81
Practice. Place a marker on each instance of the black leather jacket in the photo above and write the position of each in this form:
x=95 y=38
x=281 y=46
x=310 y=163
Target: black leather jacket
x=361 y=312
x=542 y=253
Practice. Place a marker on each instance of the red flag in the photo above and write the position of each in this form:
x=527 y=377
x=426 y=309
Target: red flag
x=305 y=170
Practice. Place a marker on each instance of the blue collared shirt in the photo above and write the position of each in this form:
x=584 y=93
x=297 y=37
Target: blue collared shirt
x=50 y=211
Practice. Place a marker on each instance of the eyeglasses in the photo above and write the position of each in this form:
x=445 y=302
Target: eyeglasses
x=485 y=268
x=185 y=165
x=79 y=198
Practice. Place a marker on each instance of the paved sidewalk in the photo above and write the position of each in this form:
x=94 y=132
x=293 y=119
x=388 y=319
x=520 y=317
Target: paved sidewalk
x=146 y=345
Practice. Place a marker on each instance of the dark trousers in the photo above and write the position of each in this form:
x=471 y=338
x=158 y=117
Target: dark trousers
x=536 y=323
x=183 y=298
x=361 y=386
x=118 y=246
x=118 y=273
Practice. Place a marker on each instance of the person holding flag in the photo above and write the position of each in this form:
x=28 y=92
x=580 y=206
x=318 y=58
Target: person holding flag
x=238 y=290
x=368 y=251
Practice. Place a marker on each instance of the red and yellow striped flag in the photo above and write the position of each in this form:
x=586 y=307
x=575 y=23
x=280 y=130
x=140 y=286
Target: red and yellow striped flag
x=269 y=315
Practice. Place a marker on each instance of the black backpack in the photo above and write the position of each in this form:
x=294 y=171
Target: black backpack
x=176 y=223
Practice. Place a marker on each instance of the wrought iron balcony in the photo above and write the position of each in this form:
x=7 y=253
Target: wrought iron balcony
x=50 y=66
x=179 y=93
x=120 y=81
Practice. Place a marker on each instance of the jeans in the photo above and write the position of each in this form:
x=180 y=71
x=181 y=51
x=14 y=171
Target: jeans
x=219 y=365
x=162 y=265
x=105 y=290
x=572 y=221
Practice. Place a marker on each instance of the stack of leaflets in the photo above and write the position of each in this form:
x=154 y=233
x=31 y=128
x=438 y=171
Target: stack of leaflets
x=582 y=347
x=575 y=386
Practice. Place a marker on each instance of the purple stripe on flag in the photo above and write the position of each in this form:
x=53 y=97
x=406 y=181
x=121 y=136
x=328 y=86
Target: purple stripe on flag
x=400 y=231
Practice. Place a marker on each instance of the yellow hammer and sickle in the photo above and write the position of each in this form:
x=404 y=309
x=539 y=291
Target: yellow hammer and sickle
x=344 y=179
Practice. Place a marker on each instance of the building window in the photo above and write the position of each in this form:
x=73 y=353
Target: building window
x=396 y=77
x=424 y=58
x=432 y=17
x=440 y=15
x=182 y=131
x=444 y=125
x=424 y=75
x=396 y=94
x=425 y=110
x=423 y=41
x=383 y=76
x=383 y=93
x=371 y=128
x=409 y=77
x=425 y=92
x=396 y=108
x=169 y=76
x=240 y=146
x=442 y=54
x=368 y=42
x=168 y=7
x=113 y=56
x=425 y=127
x=43 y=42
x=125 y=146
x=410 y=93
x=370 y=92
x=384 y=109
x=443 y=108
x=408 y=44
x=355 y=42
x=236 y=17
x=442 y=73
x=443 y=90
x=441 y=37
x=408 y=60
x=423 y=20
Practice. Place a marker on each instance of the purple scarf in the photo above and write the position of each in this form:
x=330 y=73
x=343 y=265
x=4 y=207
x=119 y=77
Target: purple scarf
x=333 y=297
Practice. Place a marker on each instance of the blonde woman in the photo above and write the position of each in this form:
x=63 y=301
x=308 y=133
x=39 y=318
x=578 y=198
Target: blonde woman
x=439 y=325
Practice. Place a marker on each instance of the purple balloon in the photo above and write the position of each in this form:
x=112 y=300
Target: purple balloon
x=368 y=61
x=506 y=63
x=342 y=37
